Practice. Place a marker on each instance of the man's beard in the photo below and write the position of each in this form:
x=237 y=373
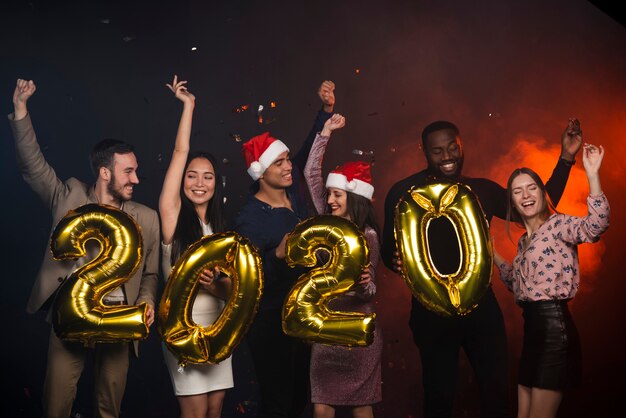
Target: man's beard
x=115 y=193
x=434 y=169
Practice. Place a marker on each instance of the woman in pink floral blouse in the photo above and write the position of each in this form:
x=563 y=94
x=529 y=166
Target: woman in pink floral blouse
x=543 y=277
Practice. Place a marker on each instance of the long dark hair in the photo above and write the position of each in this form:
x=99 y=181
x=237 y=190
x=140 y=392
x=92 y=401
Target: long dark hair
x=188 y=229
x=361 y=212
x=512 y=215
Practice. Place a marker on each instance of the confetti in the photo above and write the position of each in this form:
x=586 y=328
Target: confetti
x=494 y=115
x=193 y=48
x=241 y=108
x=128 y=38
x=259 y=113
x=361 y=152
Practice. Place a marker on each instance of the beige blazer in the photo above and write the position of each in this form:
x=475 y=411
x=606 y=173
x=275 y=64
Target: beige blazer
x=61 y=197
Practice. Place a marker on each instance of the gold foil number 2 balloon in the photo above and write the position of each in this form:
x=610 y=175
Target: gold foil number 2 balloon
x=305 y=314
x=448 y=294
x=193 y=343
x=78 y=311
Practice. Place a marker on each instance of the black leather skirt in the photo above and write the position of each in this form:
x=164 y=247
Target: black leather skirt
x=551 y=357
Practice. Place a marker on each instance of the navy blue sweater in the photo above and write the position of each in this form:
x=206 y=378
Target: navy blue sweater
x=265 y=226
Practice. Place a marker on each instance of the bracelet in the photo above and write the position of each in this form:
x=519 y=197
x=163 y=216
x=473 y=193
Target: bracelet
x=567 y=162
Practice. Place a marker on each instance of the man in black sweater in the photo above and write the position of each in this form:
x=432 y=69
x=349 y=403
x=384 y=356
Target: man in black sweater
x=481 y=333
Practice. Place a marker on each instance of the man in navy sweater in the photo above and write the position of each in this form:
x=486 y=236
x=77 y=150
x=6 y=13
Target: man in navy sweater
x=278 y=203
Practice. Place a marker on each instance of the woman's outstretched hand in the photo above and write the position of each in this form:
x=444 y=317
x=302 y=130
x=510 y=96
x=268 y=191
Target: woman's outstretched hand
x=179 y=89
x=336 y=121
x=592 y=160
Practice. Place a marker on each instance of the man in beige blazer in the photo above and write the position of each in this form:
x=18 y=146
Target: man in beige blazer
x=114 y=164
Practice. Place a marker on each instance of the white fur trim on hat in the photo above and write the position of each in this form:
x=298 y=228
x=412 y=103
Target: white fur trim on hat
x=355 y=186
x=255 y=169
x=271 y=153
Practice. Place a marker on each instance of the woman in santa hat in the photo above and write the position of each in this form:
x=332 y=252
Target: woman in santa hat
x=191 y=206
x=343 y=376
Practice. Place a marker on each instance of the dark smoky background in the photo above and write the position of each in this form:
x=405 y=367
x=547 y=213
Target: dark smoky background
x=508 y=73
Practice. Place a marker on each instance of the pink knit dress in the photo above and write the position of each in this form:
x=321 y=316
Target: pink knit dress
x=345 y=376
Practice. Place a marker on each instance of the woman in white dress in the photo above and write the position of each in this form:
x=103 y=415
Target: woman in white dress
x=191 y=206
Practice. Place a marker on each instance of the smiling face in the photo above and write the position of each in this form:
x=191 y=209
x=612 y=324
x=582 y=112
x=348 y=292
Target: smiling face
x=123 y=177
x=527 y=197
x=444 y=153
x=278 y=174
x=338 y=202
x=199 y=181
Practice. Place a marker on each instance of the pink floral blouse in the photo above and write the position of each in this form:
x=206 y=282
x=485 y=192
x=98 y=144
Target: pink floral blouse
x=548 y=268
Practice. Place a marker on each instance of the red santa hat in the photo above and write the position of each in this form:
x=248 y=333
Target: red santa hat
x=260 y=152
x=352 y=177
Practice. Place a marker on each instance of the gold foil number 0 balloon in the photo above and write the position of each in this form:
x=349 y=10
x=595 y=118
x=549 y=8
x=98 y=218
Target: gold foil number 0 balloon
x=448 y=294
x=193 y=343
x=78 y=311
x=305 y=314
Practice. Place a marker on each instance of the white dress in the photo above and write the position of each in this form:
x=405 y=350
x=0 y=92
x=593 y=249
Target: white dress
x=195 y=379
